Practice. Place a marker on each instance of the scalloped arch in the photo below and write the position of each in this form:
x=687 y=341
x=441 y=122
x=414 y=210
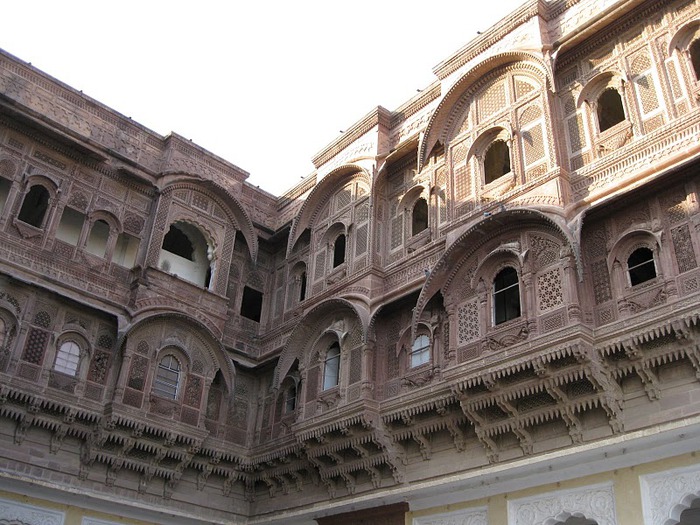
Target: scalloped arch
x=450 y=106
x=321 y=192
x=473 y=238
x=310 y=326
x=234 y=210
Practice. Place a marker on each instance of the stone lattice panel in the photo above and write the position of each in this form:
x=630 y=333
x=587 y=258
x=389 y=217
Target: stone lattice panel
x=193 y=391
x=533 y=144
x=646 y=90
x=683 y=246
x=468 y=322
x=361 y=239
x=137 y=374
x=549 y=290
x=577 y=133
x=492 y=100
x=35 y=346
x=601 y=282
x=355 y=365
x=672 y=71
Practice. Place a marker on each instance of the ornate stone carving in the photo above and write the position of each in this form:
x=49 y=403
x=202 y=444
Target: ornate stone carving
x=13 y=512
x=596 y=502
x=665 y=495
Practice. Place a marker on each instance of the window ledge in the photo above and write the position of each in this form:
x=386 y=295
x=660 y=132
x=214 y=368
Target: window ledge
x=27 y=231
x=338 y=273
x=614 y=138
x=497 y=188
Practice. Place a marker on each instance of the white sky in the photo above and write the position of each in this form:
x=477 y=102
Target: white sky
x=263 y=84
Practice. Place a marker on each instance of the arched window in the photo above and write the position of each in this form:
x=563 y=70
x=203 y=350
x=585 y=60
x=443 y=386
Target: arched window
x=641 y=266
x=694 y=50
x=34 y=207
x=302 y=286
x=420 y=351
x=339 y=250
x=177 y=242
x=610 y=109
x=419 y=216
x=67 y=358
x=186 y=253
x=97 y=241
x=496 y=161
x=331 y=367
x=167 y=378
x=506 y=296
x=3 y=333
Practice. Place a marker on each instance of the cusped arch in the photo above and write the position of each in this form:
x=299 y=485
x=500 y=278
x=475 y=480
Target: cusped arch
x=452 y=104
x=235 y=212
x=215 y=351
x=475 y=235
x=313 y=325
x=320 y=195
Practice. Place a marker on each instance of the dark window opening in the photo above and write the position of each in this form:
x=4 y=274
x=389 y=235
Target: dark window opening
x=506 y=296
x=339 y=250
x=207 y=277
x=5 y=186
x=641 y=266
x=177 y=242
x=302 y=287
x=496 y=161
x=251 y=306
x=420 y=216
x=34 y=207
x=695 y=57
x=610 y=109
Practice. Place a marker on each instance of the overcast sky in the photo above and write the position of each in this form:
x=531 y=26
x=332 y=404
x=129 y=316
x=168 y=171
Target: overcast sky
x=263 y=84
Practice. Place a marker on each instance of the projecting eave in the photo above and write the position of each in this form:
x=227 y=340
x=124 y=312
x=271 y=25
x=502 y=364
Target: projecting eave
x=487 y=39
x=378 y=117
x=593 y=26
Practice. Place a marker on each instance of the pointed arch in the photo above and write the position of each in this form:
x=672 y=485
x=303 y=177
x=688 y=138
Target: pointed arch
x=454 y=101
x=319 y=196
x=327 y=316
x=235 y=212
x=209 y=340
x=469 y=240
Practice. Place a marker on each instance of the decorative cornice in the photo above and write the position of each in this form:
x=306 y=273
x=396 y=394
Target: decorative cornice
x=489 y=38
x=378 y=117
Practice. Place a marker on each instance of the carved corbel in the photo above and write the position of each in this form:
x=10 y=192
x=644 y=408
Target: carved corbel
x=375 y=476
x=298 y=480
x=424 y=444
x=57 y=439
x=331 y=487
x=457 y=436
x=283 y=482
x=350 y=482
